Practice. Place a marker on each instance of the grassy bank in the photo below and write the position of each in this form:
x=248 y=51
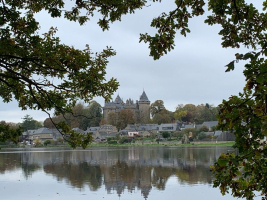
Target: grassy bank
x=165 y=144
x=170 y=144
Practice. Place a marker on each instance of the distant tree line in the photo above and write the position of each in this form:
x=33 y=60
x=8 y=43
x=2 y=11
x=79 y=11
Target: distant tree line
x=189 y=113
x=186 y=113
x=82 y=116
x=28 y=123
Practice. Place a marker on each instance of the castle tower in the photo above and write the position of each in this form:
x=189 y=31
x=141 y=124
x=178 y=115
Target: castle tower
x=141 y=108
x=144 y=108
x=114 y=106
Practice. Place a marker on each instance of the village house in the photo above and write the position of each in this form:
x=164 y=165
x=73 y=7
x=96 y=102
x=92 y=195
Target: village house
x=92 y=130
x=168 y=127
x=78 y=130
x=210 y=124
x=151 y=128
x=133 y=134
x=27 y=136
x=42 y=134
x=105 y=131
x=145 y=133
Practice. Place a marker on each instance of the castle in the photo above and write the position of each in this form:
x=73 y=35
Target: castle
x=139 y=108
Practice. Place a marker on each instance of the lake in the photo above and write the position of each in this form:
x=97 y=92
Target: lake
x=125 y=173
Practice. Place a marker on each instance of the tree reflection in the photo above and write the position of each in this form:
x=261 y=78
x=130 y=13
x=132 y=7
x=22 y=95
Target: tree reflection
x=9 y=162
x=118 y=169
x=28 y=169
x=161 y=176
x=76 y=175
x=193 y=175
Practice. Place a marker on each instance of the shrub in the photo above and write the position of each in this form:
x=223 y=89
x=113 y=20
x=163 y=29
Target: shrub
x=60 y=141
x=201 y=136
x=112 y=142
x=110 y=139
x=165 y=134
x=47 y=142
x=38 y=144
x=123 y=140
x=178 y=134
x=203 y=129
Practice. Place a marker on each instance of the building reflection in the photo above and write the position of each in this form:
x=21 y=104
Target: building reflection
x=117 y=169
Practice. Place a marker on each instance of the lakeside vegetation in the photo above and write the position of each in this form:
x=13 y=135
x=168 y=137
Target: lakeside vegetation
x=169 y=144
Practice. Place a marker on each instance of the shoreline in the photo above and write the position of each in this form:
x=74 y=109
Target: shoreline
x=137 y=144
x=225 y=143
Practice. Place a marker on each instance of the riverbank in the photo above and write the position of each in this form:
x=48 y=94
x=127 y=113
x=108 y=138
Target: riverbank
x=137 y=143
x=204 y=143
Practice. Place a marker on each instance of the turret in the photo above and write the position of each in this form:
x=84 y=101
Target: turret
x=144 y=107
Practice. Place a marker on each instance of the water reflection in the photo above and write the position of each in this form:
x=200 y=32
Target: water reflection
x=117 y=169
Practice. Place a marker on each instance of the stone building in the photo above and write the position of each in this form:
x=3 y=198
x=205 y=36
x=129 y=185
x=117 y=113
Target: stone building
x=139 y=108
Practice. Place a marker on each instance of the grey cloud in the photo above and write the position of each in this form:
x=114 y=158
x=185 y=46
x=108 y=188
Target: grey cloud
x=192 y=73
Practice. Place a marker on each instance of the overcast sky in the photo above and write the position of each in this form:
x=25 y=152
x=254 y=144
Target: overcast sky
x=194 y=72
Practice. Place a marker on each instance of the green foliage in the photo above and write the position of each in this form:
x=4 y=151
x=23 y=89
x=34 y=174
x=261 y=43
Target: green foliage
x=213 y=128
x=121 y=119
x=165 y=134
x=29 y=123
x=197 y=114
x=60 y=141
x=29 y=61
x=9 y=134
x=125 y=116
x=203 y=129
x=202 y=136
x=123 y=140
x=112 y=142
x=38 y=143
x=188 y=130
x=112 y=118
x=177 y=134
x=94 y=114
x=25 y=54
x=117 y=137
x=74 y=138
x=53 y=142
x=47 y=142
x=244 y=114
x=179 y=114
x=161 y=117
x=81 y=116
x=157 y=107
x=159 y=113
x=110 y=138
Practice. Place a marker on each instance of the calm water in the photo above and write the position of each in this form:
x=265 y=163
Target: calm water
x=156 y=173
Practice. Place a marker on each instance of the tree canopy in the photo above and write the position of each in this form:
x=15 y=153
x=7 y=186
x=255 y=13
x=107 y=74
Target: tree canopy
x=196 y=114
x=29 y=123
x=157 y=107
x=159 y=113
x=81 y=116
x=121 y=119
x=29 y=62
